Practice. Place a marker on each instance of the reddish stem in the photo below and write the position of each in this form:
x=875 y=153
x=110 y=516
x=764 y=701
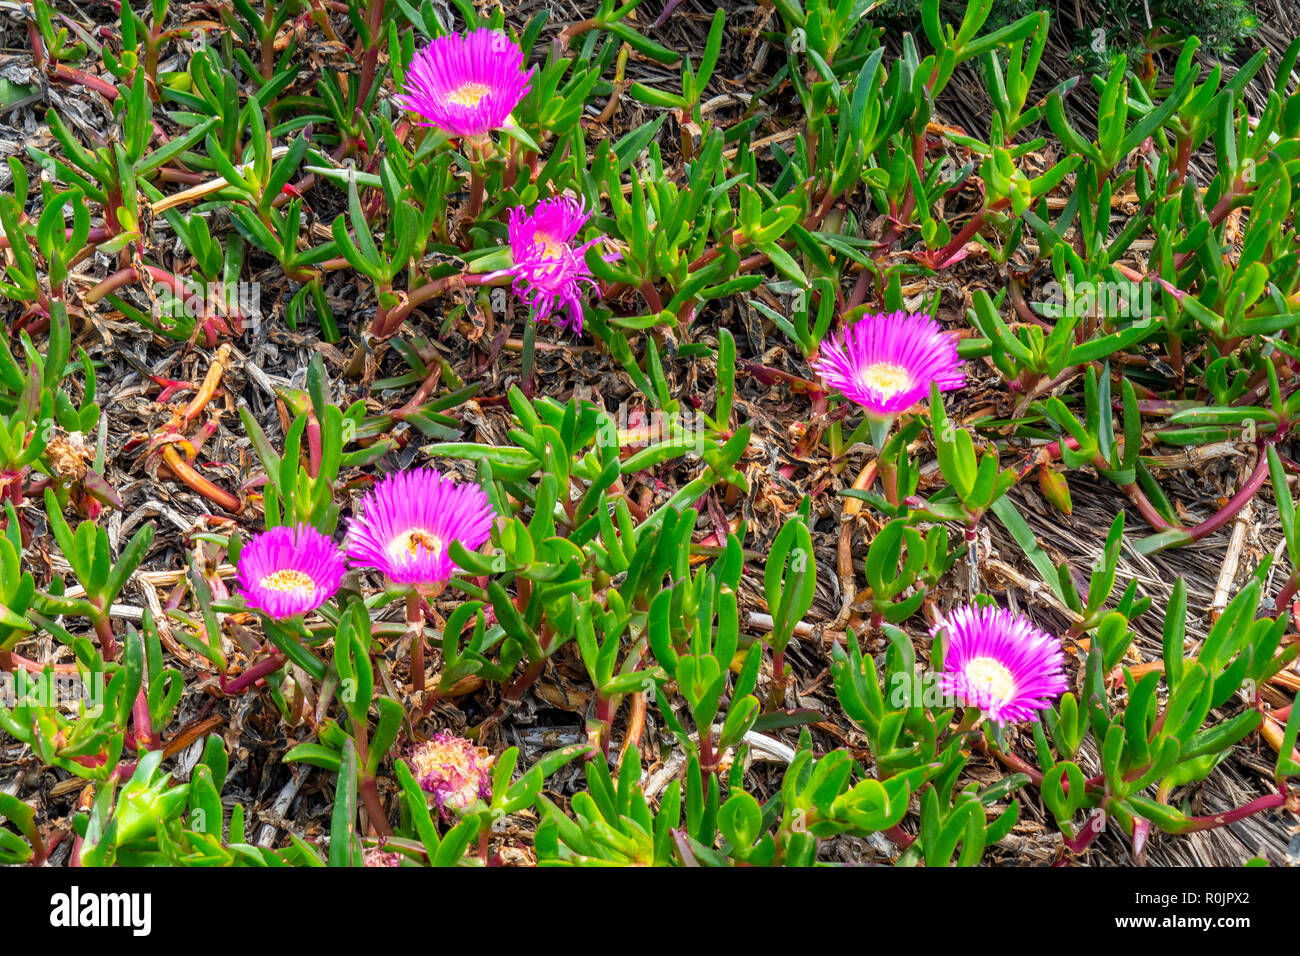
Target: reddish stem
x=1236 y=503
x=182 y=472
x=107 y=90
x=9 y=660
x=375 y=806
x=123 y=276
x=252 y=675
x=104 y=631
x=415 y=624
x=1213 y=821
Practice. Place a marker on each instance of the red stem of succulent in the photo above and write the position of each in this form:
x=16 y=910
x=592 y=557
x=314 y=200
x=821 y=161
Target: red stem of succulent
x=104 y=631
x=1213 y=821
x=374 y=806
x=1133 y=491
x=415 y=625
x=370 y=59
x=10 y=660
x=386 y=324
x=1236 y=503
x=59 y=71
x=124 y=276
x=899 y=837
x=779 y=679
x=252 y=675
x=605 y=717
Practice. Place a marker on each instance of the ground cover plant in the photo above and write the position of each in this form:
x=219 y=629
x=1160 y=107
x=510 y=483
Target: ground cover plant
x=440 y=435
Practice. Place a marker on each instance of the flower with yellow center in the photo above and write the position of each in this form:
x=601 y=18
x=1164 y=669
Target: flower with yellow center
x=412 y=542
x=1000 y=663
x=468 y=94
x=886 y=379
x=287 y=580
x=288 y=571
x=407 y=523
x=989 y=676
x=887 y=362
x=466 y=85
x=550 y=270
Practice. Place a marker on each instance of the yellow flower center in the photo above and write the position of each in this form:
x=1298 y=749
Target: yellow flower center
x=450 y=760
x=552 y=248
x=415 y=540
x=288 y=579
x=468 y=94
x=992 y=676
x=886 y=378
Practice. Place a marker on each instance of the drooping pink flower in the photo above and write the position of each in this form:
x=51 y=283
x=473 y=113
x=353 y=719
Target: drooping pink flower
x=1001 y=663
x=886 y=362
x=409 y=519
x=466 y=86
x=452 y=771
x=548 y=269
x=289 y=571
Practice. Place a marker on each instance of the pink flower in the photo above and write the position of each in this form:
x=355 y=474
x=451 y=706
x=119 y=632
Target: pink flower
x=287 y=571
x=408 y=520
x=549 y=270
x=1001 y=663
x=466 y=86
x=886 y=362
x=452 y=771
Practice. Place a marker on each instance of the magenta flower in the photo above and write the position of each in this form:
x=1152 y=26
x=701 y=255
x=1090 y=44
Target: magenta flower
x=289 y=571
x=886 y=362
x=409 y=519
x=1001 y=663
x=452 y=771
x=549 y=270
x=466 y=86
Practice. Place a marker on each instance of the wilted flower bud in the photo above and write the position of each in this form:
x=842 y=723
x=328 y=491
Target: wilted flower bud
x=376 y=856
x=550 y=268
x=1055 y=488
x=452 y=771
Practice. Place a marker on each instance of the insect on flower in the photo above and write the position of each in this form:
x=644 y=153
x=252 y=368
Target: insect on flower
x=886 y=362
x=1001 y=663
x=467 y=86
x=289 y=571
x=548 y=269
x=452 y=771
x=408 y=521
